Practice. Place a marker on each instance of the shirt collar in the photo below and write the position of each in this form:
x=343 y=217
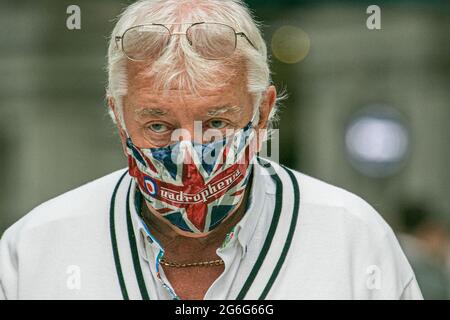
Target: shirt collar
x=261 y=186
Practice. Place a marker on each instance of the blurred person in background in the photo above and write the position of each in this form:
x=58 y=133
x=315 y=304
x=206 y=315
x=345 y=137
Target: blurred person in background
x=426 y=241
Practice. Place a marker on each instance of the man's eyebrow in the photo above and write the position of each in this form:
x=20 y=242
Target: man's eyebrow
x=141 y=112
x=224 y=109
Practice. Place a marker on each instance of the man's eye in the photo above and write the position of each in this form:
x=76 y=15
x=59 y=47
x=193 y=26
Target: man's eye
x=217 y=124
x=158 y=127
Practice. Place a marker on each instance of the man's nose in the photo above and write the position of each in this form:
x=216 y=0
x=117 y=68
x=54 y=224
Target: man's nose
x=190 y=131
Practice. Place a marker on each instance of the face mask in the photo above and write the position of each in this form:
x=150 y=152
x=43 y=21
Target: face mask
x=195 y=186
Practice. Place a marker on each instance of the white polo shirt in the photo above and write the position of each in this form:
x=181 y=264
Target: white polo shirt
x=300 y=238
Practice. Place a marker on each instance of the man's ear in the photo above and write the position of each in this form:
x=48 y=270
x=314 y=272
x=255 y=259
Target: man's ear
x=122 y=134
x=267 y=104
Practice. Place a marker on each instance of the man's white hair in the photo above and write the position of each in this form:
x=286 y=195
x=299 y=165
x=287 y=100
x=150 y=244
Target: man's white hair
x=179 y=66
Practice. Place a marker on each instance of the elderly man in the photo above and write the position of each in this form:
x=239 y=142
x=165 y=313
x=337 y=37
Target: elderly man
x=198 y=214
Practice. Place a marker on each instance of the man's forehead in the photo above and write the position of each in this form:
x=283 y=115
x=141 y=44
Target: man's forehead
x=162 y=98
x=145 y=89
x=232 y=96
x=141 y=78
x=216 y=101
x=213 y=110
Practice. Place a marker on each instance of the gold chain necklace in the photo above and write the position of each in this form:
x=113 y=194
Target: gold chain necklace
x=211 y=263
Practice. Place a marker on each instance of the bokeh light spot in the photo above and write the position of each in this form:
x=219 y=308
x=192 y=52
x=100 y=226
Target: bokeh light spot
x=377 y=141
x=290 y=44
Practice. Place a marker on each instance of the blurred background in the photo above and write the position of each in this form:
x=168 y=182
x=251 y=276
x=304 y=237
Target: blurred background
x=368 y=110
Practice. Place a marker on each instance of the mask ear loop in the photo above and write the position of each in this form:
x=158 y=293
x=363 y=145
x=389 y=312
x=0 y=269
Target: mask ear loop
x=254 y=123
x=255 y=118
x=130 y=146
x=257 y=113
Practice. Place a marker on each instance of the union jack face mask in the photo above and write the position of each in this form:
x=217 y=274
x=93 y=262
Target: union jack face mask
x=195 y=186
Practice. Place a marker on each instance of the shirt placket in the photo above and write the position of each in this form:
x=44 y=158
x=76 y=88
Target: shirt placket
x=155 y=252
x=231 y=252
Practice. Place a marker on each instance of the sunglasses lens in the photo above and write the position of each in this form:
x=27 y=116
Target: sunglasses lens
x=211 y=40
x=145 y=42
